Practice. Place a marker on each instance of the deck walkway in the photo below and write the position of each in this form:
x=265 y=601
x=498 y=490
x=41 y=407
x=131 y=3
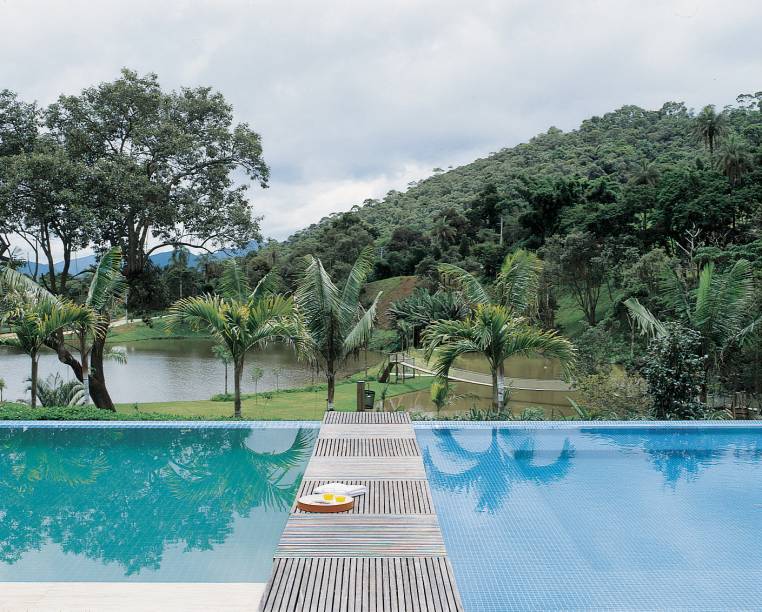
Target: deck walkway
x=387 y=553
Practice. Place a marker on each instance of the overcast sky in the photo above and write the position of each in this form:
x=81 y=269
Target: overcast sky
x=355 y=98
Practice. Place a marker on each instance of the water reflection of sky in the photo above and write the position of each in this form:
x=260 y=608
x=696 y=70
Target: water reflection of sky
x=145 y=504
x=600 y=518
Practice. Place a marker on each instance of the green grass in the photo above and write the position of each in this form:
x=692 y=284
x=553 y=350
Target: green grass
x=138 y=330
x=287 y=405
x=569 y=316
x=290 y=404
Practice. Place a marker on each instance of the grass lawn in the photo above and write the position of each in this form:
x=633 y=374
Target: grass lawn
x=569 y=316
x=292 y=404
x=138 y=330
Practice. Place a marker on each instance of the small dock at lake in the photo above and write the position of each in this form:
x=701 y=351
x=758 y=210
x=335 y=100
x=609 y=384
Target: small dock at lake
x=384 y=555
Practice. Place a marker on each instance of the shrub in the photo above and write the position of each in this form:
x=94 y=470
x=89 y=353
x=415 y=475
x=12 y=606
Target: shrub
x=674 y=371
x=613 y=395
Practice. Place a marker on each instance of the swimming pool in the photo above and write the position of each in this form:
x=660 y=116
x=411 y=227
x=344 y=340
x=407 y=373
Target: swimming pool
x=552 y=517
x=149 y=502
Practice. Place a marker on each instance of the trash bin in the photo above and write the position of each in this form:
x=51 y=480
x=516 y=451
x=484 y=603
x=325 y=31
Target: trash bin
x=370 y=399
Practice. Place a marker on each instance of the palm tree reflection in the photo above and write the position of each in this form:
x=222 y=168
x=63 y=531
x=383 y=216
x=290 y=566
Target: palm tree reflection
x=510 y=458
x=124 y=495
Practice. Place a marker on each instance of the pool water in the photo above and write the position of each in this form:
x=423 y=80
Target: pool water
x=606 y=518
x=166 y=504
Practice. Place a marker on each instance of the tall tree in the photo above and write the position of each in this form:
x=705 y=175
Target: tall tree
x=337 y=323
x=18 y=134
x=576 y=262
x=242 y=319
x=710 y=127
x=48 y=194
x=163 y=165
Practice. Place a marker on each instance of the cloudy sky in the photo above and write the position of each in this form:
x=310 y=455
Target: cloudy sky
x=356 y=98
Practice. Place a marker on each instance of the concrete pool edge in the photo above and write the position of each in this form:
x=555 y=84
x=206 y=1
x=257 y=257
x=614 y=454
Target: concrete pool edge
x=126 y=596
x=423 y=424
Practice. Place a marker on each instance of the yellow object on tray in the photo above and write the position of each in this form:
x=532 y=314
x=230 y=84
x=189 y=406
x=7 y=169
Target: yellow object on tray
x=318 y=503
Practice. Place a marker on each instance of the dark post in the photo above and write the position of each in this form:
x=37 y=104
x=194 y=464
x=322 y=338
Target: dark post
x=360 y=395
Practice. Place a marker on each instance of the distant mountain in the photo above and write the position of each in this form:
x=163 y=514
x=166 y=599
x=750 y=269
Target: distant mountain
x=161 y=260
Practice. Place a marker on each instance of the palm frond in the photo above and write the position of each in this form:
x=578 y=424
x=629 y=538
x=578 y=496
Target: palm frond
x=318 y=300
x=648 y=323
x=360 y=334
x=14 y=281
x=233 y=283
x=472 y=289
x=266 y=286
x=519 y=281
x=107 y=284
x=357 y=276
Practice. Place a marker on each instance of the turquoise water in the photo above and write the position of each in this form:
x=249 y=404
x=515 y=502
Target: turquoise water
x=600 y=518
x=166 y=504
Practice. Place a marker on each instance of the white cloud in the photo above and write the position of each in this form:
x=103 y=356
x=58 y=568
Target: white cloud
x=354 y=98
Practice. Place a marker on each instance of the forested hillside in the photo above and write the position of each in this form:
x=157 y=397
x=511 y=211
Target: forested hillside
x=635 y=206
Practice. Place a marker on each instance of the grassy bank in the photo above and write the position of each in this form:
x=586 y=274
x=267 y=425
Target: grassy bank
x=138 y=330
x=291 y=404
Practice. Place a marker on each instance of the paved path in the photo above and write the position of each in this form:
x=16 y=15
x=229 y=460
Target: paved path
x=387 y=553
x=479 y=378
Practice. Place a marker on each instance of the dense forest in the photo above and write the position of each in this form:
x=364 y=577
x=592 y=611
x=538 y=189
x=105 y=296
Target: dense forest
x=638 y=235
x=649 y=208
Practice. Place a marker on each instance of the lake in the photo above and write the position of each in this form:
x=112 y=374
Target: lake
x=168 y=370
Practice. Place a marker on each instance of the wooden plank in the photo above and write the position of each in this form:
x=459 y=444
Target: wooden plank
x=367 y=447
x=337 y=468
x=375 y=418
x=389 y=584
x=383 y=496
x=359 y=430
x=386 y=554
x=307 y=535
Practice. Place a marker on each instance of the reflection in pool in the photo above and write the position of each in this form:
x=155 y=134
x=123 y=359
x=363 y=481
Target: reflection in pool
x=609 y=518
x=148 y=504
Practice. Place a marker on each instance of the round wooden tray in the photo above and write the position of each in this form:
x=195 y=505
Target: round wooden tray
x=316 y=503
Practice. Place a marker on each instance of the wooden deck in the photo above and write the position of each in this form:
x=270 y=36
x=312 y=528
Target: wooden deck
x=387 y=553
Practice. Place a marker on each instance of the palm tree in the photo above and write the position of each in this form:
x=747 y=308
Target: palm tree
x=337 y=323
x=106 y=290
x=734 y=160
x=35 y=320
x=718 y=309
x=710 y=127
x=54 y=391
x=516 y=286
x=222 y=353
x=646 y=174
x=492 y=331
x=242 y=319
x=416 y=311
x=257 y=374
x=496 y=327
x=2 y=388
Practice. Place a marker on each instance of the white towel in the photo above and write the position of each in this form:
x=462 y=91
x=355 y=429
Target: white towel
x=339 y=488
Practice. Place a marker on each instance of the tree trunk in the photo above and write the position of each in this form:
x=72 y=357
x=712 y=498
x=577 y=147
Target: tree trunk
x=97 y=379
x=34 y=380
x=495 y=394
x=226 y=378
x=331 y=388
x=501 y=387
x=85 y=366
x=238 y=370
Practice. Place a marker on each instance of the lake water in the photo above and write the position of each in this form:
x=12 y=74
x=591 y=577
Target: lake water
x=167 y=370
